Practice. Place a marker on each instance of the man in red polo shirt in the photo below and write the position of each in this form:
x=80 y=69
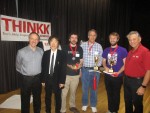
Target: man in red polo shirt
x=137 y=71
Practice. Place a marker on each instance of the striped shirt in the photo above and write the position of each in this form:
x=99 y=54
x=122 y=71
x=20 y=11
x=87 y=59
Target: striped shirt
x=28 y=62
x=88 y=56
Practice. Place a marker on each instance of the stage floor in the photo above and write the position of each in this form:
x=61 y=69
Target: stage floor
x=101 y=106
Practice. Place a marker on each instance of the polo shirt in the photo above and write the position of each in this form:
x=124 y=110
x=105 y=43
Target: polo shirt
x=137 y=62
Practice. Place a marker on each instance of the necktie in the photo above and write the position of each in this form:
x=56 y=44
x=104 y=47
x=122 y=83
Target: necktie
x=52 y=62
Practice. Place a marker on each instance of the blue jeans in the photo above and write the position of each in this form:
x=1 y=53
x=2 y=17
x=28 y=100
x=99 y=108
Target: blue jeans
x=87 y=84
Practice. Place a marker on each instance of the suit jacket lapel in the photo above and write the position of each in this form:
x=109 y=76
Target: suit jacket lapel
x=57 y=61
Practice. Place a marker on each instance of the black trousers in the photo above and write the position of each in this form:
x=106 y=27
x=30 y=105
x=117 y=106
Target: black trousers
x=49 y=89
x=30 y=85
x=131 y=98
x=113 y=86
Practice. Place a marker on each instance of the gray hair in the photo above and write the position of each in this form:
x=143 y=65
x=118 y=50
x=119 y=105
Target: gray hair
x=133 y=32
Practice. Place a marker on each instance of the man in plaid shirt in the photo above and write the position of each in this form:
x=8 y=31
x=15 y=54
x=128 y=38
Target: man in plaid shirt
x=90 y=50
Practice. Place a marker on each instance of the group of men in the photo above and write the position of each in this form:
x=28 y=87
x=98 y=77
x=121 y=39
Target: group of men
x=59 y=71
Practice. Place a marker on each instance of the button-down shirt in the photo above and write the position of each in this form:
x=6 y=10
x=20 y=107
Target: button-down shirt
x=88 y=56
x=28 y=62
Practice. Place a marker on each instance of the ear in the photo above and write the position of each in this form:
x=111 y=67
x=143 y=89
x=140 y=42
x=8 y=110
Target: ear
x=140 y=39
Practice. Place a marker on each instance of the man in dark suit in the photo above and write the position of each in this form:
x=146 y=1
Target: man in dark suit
x=53 y=73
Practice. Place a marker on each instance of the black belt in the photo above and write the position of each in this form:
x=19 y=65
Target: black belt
x=134 y=77
x=31 y=75
x=89 y=67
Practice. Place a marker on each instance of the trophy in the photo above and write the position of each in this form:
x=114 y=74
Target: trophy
x=96 y=60
x=112 y=62
x=75 y=66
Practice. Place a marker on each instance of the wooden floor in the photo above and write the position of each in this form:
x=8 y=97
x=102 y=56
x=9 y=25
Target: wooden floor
x=101 y=106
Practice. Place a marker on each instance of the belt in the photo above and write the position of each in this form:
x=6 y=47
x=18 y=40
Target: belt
x=89 y=67
x=32 y=75
x=134 y=77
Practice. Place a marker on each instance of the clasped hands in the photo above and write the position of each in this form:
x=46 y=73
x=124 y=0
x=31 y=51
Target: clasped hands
x=114 y=74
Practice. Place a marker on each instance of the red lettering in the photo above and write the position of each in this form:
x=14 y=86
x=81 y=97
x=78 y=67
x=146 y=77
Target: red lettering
x=31 y=27
x=24 y=27
x=46 y=29
x=39 y=28
x=14 y=25
x=6 y=23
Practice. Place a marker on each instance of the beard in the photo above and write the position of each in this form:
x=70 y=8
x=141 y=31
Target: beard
x=113 y=44
x=73 y=42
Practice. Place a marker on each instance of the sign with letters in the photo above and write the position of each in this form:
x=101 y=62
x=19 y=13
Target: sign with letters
x=18 y=29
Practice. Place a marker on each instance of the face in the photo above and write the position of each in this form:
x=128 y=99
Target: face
x=33 y=40
x=92 y=36
x=113 y=40
x=73 y=39
x=134 y=40
x=54 y=44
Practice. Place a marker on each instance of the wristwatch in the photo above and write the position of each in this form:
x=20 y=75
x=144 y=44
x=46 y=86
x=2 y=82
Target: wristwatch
x=143 y=86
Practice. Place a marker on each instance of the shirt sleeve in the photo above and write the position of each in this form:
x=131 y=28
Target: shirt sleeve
x=146 y=60
x=81 y=53
x=100 y=54
x=104 y=55
x=124 y=55
x=18 y=62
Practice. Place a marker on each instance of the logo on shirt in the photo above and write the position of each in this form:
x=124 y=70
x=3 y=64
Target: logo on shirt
x=112 y=57
x=135 y=56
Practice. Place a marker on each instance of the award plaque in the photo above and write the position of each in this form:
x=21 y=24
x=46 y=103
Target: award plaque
x=96 y=60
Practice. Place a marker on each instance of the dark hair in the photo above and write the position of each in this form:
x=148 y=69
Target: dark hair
x=35 y=34
x=115 y=34
x=73 y=33
x=53 y=37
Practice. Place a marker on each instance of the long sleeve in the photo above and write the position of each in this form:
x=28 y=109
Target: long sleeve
x=63 y=69
x=18 y=62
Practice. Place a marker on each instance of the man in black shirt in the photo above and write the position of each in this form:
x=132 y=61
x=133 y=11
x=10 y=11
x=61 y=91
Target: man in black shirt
x=74 y=62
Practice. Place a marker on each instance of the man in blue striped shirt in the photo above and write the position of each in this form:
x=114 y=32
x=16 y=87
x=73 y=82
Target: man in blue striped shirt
x=90 y=50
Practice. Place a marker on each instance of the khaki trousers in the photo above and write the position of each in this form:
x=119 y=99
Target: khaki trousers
x=70 y=84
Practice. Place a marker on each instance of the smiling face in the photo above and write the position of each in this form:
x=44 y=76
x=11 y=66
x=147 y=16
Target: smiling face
x=134 y=40
x=54 y=44
x=113 y=40
x=33 y=40
x=73 y=39
x=92 y=36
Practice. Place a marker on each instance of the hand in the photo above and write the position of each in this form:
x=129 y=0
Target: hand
x=73 y=68
x=106 y=69
x=140 y=91
x=43 y=84
x=115 y=74
x=70 y=66
x=61 y=86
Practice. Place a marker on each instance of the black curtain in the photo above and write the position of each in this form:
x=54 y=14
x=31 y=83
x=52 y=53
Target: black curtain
x=65 y=16
x=141 y=20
